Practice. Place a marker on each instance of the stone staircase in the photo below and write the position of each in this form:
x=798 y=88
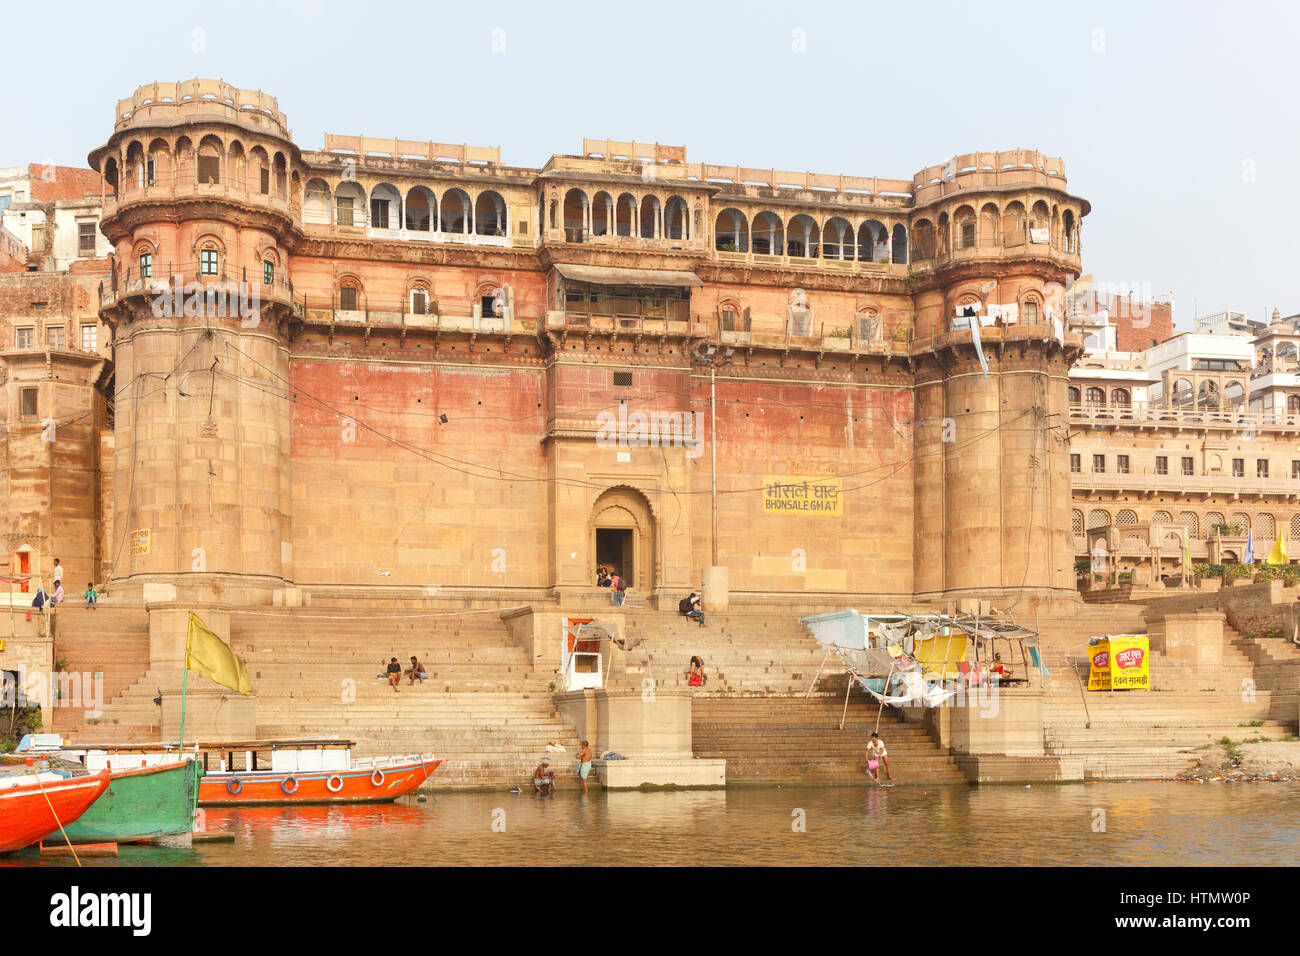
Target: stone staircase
x=796 y=739
x=1277 y=672
x=1156 y=733
x=114 y=641
x=744 y=652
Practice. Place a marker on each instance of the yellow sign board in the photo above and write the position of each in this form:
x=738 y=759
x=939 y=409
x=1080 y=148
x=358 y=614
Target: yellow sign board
x=140 y=541
x=802 y=494
x=1122 y=662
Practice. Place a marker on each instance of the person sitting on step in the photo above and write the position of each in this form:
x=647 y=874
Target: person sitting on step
x=690 y=607
x=999 y=669
x=416 y=671
x=394 y=673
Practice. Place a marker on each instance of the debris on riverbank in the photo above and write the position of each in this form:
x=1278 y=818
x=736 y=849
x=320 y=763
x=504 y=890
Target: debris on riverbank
x=1247 y=761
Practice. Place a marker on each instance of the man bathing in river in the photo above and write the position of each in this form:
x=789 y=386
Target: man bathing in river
x=583 y=757
x=544 y=777
x=876 y=751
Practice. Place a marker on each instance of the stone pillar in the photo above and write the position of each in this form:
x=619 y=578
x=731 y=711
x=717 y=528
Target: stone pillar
x=715 y=588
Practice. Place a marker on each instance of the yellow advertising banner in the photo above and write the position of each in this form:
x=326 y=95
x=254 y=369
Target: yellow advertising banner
x=802 y=494
x=140 y=541
x=1122 y=662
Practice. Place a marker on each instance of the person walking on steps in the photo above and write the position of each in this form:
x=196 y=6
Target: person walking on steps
x=619 y=585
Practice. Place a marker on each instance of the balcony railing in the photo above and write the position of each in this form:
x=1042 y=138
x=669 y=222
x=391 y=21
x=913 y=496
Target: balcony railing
x=182 y=279
x=1148 y=479
x=1162 y=416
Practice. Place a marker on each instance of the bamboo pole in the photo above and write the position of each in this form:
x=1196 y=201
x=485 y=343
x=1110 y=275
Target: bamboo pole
x=881 y=709
x=847 y=688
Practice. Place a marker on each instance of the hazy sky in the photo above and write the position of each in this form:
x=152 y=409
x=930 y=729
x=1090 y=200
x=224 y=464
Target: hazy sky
x=1178 y=121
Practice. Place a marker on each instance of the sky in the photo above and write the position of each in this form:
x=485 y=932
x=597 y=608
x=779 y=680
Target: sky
x=1177 y=121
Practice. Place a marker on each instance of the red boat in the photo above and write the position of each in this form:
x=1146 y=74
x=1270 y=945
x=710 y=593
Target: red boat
x=308 y=771
x=31 y=811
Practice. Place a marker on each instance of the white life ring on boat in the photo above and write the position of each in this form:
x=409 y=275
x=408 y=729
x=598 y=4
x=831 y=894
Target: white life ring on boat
x=234 y=785
x=334 y=783
x=284 y=784
x=377 y=778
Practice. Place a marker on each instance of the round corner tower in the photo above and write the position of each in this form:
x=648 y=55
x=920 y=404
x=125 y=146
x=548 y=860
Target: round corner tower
x=996 y=242
x=203 y=206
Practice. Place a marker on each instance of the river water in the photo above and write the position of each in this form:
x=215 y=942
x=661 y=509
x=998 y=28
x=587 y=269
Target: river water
x=1112 y=824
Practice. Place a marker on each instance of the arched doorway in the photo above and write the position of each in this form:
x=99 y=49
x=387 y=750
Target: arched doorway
x=622 y=537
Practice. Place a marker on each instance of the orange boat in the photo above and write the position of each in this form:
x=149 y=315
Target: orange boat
x=308 y=771
x=32 y=806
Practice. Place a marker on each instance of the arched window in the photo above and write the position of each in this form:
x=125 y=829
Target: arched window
x=1096 y=395
x=602 y=214
x=1098 y=518
x=237 y=166
x=988 y=226
x=650 y=217
x=316 y=203
x=1073 y=394
x=420 y=208
x=1013 y=225
x=625 y=215
x=677 y=219
x=1265 y=532
x=964 y=222
x=1242 y=521
x=349 y=294
x=1076 y=522
x=768 y=235
x=1162 y=517
x=1212 y=520
x=1293 y=404
x=802 y=237
x=259 y=167
x=1126 y=516
x=730 y=232
x=575 y=215
x=1068 y=239
x=1294 y=534
x=160 y=162
x=898 y=246
x=350 y=204
x=873 y=241
x=385 y=207
x=282 y=176
x=491 y=216
x=136 y=172
x=923 y=234
x=1189 y=521
x=1119 y=396
x=455 y=212
x=837 y=239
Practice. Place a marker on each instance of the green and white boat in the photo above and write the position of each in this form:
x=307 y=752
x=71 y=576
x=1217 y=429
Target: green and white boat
x=157 y=798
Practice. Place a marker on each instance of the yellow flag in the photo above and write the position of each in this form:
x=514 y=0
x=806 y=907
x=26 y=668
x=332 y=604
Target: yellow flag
x=1278 y=554
x=212 y=657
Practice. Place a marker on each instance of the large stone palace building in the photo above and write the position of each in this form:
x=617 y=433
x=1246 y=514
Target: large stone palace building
x=1200 y=432
x=409 y=366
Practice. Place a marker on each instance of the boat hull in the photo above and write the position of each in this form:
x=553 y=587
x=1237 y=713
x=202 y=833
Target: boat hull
x=361 y=785
x=141 y=804
x=28 y=814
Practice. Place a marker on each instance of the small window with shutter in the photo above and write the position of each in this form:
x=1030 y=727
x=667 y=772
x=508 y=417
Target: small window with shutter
x=622 y=379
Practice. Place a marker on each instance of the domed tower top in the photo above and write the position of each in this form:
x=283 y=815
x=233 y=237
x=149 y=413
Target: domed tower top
x=198 y=140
